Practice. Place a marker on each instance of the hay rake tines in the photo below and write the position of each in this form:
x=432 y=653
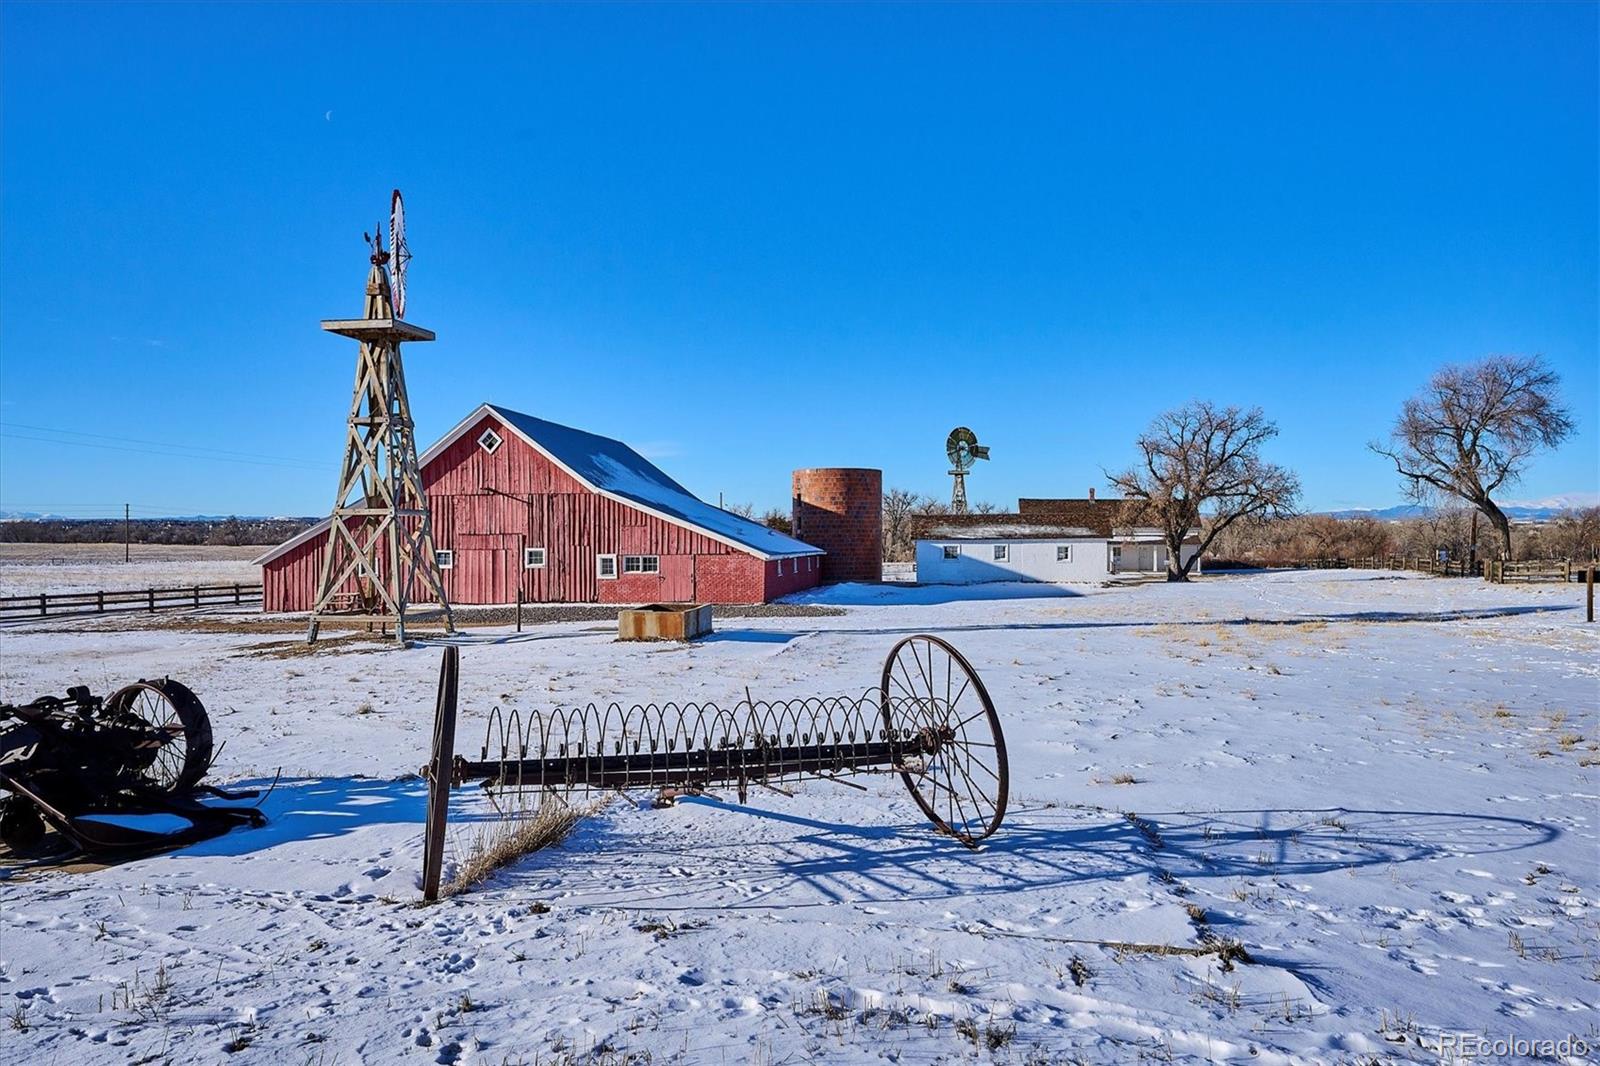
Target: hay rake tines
x=930 y=720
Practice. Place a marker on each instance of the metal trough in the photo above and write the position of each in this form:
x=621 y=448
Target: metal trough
x=665 y=621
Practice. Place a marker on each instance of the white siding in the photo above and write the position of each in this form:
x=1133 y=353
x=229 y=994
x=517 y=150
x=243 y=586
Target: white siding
x=1030 y=560
x=1034 y=560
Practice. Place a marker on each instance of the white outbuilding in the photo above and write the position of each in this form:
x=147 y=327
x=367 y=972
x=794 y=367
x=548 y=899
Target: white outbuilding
x=1055 y=540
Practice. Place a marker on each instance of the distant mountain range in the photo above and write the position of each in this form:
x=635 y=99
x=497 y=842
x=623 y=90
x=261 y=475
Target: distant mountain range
x=36 y=516
x=1517 y=510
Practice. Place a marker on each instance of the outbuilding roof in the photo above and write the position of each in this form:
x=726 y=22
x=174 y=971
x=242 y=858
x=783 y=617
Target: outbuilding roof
x=1043 y=519
x=611 y=468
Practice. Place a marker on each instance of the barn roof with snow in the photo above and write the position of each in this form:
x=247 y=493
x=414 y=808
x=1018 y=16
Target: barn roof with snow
x=611 y=468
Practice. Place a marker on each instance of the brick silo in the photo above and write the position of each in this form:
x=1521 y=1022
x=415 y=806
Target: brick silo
x=840 y=510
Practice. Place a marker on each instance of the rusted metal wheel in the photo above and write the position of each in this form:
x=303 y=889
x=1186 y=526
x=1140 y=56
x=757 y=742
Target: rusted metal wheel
x=955 y=762
x=176 y=749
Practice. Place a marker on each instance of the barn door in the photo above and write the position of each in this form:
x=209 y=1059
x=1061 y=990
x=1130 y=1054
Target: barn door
x=677 y=578
x=485 y=575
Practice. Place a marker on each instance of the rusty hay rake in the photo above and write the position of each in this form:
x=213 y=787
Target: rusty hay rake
x=930 y=720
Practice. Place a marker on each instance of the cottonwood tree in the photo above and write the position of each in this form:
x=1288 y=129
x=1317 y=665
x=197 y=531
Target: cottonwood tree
x=1204 y=459
x=1472 y=431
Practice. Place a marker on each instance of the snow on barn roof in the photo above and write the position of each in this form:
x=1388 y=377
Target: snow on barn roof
x=610 y=468
x=613 y=469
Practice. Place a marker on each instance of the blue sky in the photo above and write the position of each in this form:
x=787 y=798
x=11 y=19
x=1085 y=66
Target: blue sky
x=746 y=239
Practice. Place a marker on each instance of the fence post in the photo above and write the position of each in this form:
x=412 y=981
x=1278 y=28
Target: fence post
x=1590 y=583
x=44 y=608
x=100 y=601
x=519 y=608
x=152 y=593
x=237 y=598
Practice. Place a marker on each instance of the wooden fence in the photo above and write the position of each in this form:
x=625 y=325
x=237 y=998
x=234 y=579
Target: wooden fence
x=1422 y=564
x=1530 y=570
x=48 y=604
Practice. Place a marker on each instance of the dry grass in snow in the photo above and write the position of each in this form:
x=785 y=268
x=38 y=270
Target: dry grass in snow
x=516 y=833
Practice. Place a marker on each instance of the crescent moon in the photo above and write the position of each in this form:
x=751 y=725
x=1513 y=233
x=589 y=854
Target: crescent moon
x=327 y=116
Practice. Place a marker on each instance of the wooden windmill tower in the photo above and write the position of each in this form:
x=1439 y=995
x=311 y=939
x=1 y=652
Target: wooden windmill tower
x=380 y=541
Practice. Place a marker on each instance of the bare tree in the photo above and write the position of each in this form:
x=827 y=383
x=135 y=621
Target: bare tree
x=1473 y=430
x=898 y=506
x=743 y=510
x=1200 y=458
x=1575 y=534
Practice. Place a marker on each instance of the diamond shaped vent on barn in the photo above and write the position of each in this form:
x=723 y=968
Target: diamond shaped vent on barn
x=490 y=441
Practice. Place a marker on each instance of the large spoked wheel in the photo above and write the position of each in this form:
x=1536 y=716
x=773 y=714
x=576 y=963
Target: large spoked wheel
x=954 y=760
x=177 y=752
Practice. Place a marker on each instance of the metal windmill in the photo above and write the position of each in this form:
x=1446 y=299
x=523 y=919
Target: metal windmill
x=963 y=449
x=380 y=540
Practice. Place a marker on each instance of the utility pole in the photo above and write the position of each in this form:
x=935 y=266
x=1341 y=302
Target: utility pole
x=127 y=550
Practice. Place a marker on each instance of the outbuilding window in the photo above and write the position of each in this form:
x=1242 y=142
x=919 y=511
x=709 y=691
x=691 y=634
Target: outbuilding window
x=641 y=564
x=533 y=558
x=446 y=560
x=1002 y=553
x=489 y=441
x=605 y=567
x=780 y=567
x=952 y=551
x=1063 y=553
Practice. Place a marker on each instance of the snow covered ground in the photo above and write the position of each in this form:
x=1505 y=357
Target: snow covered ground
x=1383 y=786
x=29 y=569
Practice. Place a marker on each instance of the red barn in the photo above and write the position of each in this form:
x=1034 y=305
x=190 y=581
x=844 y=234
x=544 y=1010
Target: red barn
x=521 y=504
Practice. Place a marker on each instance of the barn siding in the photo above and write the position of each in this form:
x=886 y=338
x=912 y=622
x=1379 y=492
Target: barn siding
x=796 y=576
x=488 y=508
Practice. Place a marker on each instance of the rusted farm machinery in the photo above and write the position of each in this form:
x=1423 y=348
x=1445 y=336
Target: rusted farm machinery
x=930 y=720
x=113 y=774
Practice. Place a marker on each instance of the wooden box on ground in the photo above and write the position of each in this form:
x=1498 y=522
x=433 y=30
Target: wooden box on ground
x=664 y=621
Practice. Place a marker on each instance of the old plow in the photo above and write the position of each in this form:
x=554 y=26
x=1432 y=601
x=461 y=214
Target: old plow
x=930 y=720
x=114 y=774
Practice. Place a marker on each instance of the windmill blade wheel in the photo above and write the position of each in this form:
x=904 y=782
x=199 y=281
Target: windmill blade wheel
x=955 y=766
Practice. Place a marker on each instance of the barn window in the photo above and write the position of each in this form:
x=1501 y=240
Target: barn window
x=446 y=559
x=641 y=564
x=780 y=567
x=605 y=566
x=489 y=441
x=533 y=558
x=1063 y=553
x=1002 y=553
x=952 y=551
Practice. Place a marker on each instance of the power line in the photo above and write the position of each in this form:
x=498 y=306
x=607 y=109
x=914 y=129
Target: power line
x=114 y=510
x=292 y=464
x=160 y=443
